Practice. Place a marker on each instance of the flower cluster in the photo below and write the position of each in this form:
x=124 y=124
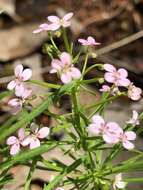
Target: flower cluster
x=54 y=23
x=119 y=79
x=111 y=132
x=21 y=90
x=33 y=139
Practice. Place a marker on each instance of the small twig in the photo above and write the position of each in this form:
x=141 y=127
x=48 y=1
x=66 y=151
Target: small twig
x=119 y=43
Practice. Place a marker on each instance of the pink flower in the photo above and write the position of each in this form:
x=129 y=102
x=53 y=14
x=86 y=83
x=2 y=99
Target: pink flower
x=135 y=119
x=42 y=27
x=105 y=88
x=17 y=103
x=15 y=142
x=20 y=76
x=65 y=68
x=89 y=42
x=117 y=77
x=34 y=139
x=134 y=92
x=110 y=131
x=126 y=137
x=56 y=22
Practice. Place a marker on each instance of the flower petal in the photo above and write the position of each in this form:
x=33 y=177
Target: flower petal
x=53 y=19
x=43 y=132
x=21 y=134
x=56 y=64
x=68 y=16
x=34 y=143
x=83 y=41
x=26 y=75
x=123 y=72
x=14 y=149
x=65 y=59
x=11 y=85
x=109 y=68
x=98 y=120
x=121 y=184
x=66 y=78
x=94 y=129
x=109 y=77
x=130 y=135
x=18 y=70
x=11 y=140
x=27 y=140
x=128 y=145
x=75 y=73
x=123 y=82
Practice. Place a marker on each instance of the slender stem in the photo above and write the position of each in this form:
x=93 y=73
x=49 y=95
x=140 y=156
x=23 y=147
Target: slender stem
x=45 y=84
x=30 y=174
x=66 y=40
x=54 y=45
x=85 y=63
x=91 y=67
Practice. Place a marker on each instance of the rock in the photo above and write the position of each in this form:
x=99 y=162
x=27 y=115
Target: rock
x=19 y=41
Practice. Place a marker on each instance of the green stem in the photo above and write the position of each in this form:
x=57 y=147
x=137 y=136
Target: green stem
x=85 y=63
x=66 y=40
x=30 y=174
x=45 y=84
x=54 y=45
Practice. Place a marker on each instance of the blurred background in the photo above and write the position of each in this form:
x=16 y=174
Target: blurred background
x=116 y=24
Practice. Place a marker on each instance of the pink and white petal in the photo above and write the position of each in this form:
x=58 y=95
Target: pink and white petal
x=83 y=41
x=34 y=143
x=110 y=138
x=11 y=85
x=94 y=129
x=27 y=93
x=91 y=40
x=56 y=64
x=75 y=73
x=27 y=141
x=114 y=128
x=121 y=184
x=123 y=72
x=109 y=68
x=21 y=134
x=68 y=16
x=11 y=140
x=14 y=149
x=19 y=90
x=37 y=31
x=26 y=75
x=128 y=145
x=18 y=70
x=130 y=135
x=98 y=120
x=66 y=78
x=55 y=26
x=123 y=82
x=65 y=58
x=109 y=77
x=53 y=19
x=43 y=132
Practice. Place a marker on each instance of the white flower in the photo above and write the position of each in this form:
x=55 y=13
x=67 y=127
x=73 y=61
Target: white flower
x=118 y=183
x=135 y=119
